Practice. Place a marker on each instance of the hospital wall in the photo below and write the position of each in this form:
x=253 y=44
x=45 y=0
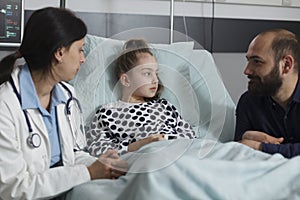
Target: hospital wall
x=225 y=28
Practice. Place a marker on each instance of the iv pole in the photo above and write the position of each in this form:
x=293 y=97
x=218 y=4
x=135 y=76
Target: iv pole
x=171 y=20
x=62 y=4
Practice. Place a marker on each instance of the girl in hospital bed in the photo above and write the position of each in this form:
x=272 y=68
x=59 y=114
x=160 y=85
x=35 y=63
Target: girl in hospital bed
x=140 y=116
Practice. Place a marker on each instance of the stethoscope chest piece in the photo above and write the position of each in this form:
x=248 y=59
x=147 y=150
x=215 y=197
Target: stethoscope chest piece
x=34 y=140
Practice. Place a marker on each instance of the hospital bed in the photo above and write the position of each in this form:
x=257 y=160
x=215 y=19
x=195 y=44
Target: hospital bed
x=211 y=167
x=190 y=78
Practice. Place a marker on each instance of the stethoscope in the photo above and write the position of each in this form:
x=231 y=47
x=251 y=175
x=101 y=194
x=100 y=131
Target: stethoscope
x=34 y=139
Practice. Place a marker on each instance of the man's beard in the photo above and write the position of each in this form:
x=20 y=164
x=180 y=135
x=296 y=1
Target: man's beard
x=267 y=86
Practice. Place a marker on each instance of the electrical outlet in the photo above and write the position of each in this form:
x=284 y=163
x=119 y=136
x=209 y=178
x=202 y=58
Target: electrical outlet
x=286 y=2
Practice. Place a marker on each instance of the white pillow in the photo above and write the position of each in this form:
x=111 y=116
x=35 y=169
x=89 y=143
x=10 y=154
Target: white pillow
x=216 y=108
x=190 y=78
x=95 y=81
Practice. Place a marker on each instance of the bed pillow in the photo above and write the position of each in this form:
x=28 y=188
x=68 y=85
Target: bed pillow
x=95 y=81
x=216 y=109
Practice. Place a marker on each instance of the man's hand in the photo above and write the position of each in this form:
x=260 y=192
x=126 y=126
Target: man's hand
x=254 y=139
x=252 y=143
x=261 y=137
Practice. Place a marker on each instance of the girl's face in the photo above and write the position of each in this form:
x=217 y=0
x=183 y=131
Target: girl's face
x=142 y=80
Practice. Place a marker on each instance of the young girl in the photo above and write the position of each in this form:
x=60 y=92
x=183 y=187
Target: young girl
x=139 y=117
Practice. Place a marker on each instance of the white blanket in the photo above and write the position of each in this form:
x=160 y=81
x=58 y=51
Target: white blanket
x=199 y=169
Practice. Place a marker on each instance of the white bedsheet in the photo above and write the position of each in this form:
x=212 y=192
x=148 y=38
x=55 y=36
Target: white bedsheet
x=179 y=170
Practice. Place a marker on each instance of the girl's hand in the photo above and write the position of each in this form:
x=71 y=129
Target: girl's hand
x=138 y=144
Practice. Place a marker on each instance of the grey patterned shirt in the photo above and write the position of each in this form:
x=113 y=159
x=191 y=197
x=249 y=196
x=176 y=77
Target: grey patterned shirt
x=116 y=125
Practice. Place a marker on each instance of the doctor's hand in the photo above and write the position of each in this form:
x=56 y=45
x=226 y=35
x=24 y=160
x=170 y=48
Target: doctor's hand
x=109 y=165
x=261 y=137
x=138 y=144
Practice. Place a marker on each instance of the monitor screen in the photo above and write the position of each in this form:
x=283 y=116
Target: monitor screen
x=11 y=22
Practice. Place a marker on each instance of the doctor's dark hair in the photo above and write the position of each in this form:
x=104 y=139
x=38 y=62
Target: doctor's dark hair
x=46 y=31
x=129 y=58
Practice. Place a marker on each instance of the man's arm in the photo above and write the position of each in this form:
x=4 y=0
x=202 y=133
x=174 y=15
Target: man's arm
x=255 y=139
x=268 y=144
x=288 y=150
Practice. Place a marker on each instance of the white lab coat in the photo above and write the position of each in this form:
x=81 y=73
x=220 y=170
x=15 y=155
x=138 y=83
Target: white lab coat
x=24 y=171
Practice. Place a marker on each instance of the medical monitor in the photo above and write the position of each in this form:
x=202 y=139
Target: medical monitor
x=11 y=22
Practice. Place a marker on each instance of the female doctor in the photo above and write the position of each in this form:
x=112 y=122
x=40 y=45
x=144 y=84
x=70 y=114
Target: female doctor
x=41 y=141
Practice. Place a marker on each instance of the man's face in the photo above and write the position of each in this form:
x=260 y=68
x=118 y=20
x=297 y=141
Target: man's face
x=262 y=71
x=267 y=85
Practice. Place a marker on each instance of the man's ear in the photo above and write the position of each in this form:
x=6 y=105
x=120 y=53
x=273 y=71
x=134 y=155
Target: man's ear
x=59 y=54
x=288 y=64
x=124 y=80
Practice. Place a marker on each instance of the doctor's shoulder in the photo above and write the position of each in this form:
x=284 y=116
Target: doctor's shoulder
x=12 y=116
x=7 y=95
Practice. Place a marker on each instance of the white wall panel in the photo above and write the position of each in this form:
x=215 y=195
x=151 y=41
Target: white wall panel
x=189 y=8
x=231 y=65
x=120 y=6
x=36 y=4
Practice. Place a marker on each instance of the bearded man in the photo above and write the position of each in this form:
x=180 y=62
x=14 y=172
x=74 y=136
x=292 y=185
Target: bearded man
x=268 y=114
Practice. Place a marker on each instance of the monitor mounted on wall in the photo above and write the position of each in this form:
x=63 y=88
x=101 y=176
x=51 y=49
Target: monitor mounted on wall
x=11 y=22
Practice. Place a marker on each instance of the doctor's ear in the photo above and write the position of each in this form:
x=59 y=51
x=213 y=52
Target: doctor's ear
x=125 y=80
x=288 y=63
x=59 y=54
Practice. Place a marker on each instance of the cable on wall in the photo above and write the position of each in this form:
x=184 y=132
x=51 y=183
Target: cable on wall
x=212 y=27
x=185 y=25
x=171 y=20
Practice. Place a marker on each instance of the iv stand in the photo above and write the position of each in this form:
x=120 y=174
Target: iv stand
x=171 y=20
x=62 y=4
